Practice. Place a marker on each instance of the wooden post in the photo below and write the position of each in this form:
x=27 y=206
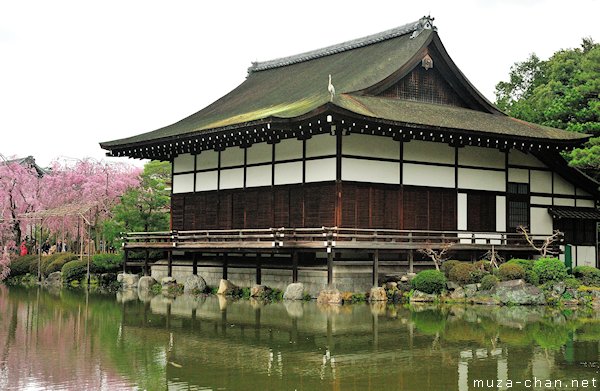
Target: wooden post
x=330 y=267
x=195 y=264
x=224 y=266
x=411 y=255
x=146 y=257
x=125 y=259
x=376 y=268
x=258 y=270
x=294 y=266
x=170 y=264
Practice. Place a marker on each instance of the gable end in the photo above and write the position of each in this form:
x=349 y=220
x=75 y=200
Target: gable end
x=424 y=85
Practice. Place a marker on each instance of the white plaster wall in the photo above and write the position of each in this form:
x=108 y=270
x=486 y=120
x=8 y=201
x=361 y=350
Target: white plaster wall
x=320 y=145
x=541 y=200
x=207 y=159
x=481 y=157
x=585 y=203
x=474 y=179
x=541 y=221
x=261 y=153
x=371 y=146
x=522 y=159
x=288 y=173
x=183 y=183
x=501 y=213
x=206 y=181
x=518 y=175
x=426 y=151
x=564 y=202
x=288 y=149
x=233 y=156
x=541 y=182
x=561 y=186
x=580 y=192
x=320 y=170
x=586 y=256
x=370 y=171
x=183 y=163
x=232 y=179
x=461 y=211
x=423 y=175
x=258 y=176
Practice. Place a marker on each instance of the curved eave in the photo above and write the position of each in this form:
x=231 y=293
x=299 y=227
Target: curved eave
x=320 y=120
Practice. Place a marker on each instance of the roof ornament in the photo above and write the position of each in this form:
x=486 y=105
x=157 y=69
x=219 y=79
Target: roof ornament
x=331 y=90
x=425 y=23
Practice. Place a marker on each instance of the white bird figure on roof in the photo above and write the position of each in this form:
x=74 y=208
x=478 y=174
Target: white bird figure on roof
x=331 y=89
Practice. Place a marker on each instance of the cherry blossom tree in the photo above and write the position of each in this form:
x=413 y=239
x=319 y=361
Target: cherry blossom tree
x=83 y=194
x=19 y=194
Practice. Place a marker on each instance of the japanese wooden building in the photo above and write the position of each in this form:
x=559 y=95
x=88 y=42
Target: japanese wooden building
x=397 y=152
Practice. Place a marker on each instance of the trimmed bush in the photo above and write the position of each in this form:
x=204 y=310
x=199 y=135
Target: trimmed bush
x=532 y=277
x=572 y=283
x=550 y=269
x=429 y=281
x=510 y=271
x=526 y=264
x=588 y=275
x=21 y=265
x=107 y=263
x=488 y=282
x=58 y=262
x=448 y=265
x=484 y=265
x=74 y=271
x=464 y=273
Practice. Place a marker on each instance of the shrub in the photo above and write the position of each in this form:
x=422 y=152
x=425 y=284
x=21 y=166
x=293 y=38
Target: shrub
x=107 y=263
x=21 y=265
x=483 y=265
x=448 y=265
x=58 y=262
x=464 y=273
x=488 y=282
x=532 y=277
x=526 y=264
x=550 y=269
x=510 y=271
x=572 y=283
x=429 y=281
x=74 y=270
x=588 y=275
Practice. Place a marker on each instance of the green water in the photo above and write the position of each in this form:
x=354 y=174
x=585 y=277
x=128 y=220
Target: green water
x=73 y=340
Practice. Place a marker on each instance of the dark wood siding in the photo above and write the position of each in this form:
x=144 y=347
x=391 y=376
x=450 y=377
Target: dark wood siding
x=363 y=205
x=481 y=212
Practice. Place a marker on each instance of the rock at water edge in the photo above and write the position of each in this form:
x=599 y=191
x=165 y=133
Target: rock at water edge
x=294 y=291
x=194 y=283
x=329 y=296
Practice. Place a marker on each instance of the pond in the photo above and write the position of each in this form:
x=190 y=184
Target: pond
x=75 y=340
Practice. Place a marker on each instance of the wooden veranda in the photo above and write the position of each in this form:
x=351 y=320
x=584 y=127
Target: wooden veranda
x=329 y=240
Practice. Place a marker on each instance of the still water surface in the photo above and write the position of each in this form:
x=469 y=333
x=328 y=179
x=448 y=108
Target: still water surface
x=74 y=340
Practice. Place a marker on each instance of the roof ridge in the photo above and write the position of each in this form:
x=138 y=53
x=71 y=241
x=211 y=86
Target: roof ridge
x=425 y=23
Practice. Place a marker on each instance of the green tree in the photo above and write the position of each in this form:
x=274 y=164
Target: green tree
x=562 y=92
x=145 y=207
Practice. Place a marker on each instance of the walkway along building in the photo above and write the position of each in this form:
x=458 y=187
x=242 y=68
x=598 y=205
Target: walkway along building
x=347 y=159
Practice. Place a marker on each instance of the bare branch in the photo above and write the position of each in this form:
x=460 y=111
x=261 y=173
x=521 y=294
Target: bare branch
x=437 y=256
x=545 y=248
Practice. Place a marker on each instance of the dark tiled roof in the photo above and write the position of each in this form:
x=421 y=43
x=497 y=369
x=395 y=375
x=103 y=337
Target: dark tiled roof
x=570 y=212
x=449 y=117
x=293 y=87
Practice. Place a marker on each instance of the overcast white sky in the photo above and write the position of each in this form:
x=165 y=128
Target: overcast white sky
x=74 y=73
